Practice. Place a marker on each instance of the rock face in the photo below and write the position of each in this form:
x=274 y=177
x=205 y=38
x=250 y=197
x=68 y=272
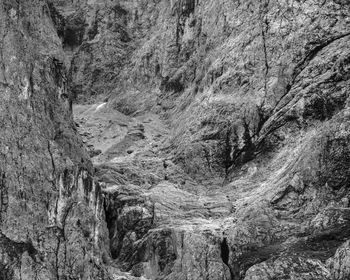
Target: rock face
x=218 y=133
x=226 y=74
x=51 y=222
x=248 y=178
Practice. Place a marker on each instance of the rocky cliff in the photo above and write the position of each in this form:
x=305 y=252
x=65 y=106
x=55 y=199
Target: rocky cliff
x=218 y=133
x=51 y=209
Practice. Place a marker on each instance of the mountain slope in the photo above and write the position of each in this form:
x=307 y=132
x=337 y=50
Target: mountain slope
x=255 y=97
x=46 y=175
x=218 y=133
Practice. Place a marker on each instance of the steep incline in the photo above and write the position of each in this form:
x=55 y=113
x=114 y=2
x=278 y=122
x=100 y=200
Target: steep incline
x=218 y=130
x=249 y=179
x=51 y=215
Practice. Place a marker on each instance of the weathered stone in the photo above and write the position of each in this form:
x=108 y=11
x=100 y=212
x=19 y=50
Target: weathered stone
x=288 y=268
x=46 y=175
x=222 y=133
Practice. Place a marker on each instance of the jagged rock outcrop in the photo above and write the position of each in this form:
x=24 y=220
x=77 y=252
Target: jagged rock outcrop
x=220 y=139
x=227 y=74
x=97 y=41
x=51 y=219
x=255 y=98
x=166 y=232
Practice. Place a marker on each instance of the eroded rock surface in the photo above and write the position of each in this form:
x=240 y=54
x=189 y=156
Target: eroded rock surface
x=218 y=133
x=52 y=218
x=245 y=173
